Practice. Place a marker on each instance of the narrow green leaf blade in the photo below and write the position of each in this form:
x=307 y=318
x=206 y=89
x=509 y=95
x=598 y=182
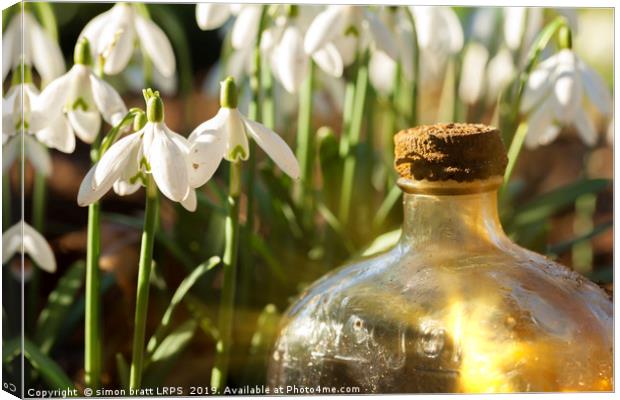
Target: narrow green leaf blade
x=58 y=305
x=48 y=368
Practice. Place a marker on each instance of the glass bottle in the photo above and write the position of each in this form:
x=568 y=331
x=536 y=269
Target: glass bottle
x=455 y=306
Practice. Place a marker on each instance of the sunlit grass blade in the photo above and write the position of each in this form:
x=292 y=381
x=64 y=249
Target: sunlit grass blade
x=179 y=295
x=59 y=303
x=50 y=371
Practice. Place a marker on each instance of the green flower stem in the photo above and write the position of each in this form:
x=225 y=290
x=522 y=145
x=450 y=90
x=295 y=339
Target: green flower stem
x=513 y=154
x=268 y=103
x=144 y=276
x=92 y=317
x=305 y=148
x=219 y=373
x=391 y=128
x=254 y=113
x=354 y=132
x=39 y=195
x=416 y=70
x=6 y=200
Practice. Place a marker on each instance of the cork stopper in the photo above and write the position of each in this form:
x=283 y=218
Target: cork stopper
x=456 y=151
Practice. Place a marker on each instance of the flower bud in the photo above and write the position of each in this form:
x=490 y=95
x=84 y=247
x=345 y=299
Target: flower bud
x=228 y=93
x=21 y=74
x=82 y=55
x=155 y=109
x=139 y=121
x=565 y=37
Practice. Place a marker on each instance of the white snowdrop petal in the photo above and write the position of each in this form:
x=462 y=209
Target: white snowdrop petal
x=116 y=41
x=328 y=25
x=125 y=188
x=292 y=61
x=538 y=123
x=86 y=124
x=514 y=25
x=91 y=192
x=346 y=46
x=499 y=74
x=211 y=15
x=275 y=147
x=38 y=155
x=537 y=87
x=11 y=242
x=93 y=30
x=38 y=249
x=51 y=101
x=157 y=46
x=455 y=30
x=11 y=45
x=381 y=72
x=237 y=142
x=58 y=135
x=472 y=74
x=205 y=155
x=115 y=159
x=190 y=201
x=107 y=100
x=595 y=88
x=245 y=29
x=168 y=165
x=46 y=54
x=10 y=151
x=549 y=135
x=567 y=95
x=585 y=127
x=329 y=60
x=381 y=35
x=214 y=123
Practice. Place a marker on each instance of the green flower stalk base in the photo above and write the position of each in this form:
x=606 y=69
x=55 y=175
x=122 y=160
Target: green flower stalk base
x=144 y=276
x=226 y=312
x=92 y=317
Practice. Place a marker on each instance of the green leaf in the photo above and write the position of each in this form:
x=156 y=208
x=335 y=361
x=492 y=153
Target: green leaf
x=382 y=243
x=262 y=248
x=58 y=305
x=123 y=371
x=11 y=349
x=48 y=368
x=335 y=224
x=562 y=247
x=177 y=298
x=550 y=203
x=167 y=353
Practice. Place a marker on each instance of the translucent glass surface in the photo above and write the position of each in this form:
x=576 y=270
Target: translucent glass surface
x=454 y=307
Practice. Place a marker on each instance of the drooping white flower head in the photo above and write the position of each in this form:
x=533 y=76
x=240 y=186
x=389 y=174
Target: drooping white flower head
x=154 y=149
x=24 y=239
x=38 y=48
x=351 y=29
x=440 y=36
x=211 y=16
x=283 y=44
x=554 y=94
x=80 y=95
x=225 y=136
x=472 y=82
x=500 y=72
x=16 y=111
x=113 y=34
x=382 y=67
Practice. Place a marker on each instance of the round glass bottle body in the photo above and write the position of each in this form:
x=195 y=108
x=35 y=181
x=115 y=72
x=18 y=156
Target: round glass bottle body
x=454 y=307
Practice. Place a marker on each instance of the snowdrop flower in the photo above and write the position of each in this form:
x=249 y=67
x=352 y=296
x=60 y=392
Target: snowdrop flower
x=155 y=150
x=351 y=29
x=440 y=36
x=245 y=29
x=24 y=239
x=472 y=75
x=283 y=45
x=114 y=32
x=83 y=96
x=16 y=111
x=38 y=48
x=553 y=97
x=521 y=24
x=500 y=72
x=381 y=67
x=225 y=136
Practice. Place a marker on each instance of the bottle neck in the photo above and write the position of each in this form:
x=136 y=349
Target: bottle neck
x=461 y=215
